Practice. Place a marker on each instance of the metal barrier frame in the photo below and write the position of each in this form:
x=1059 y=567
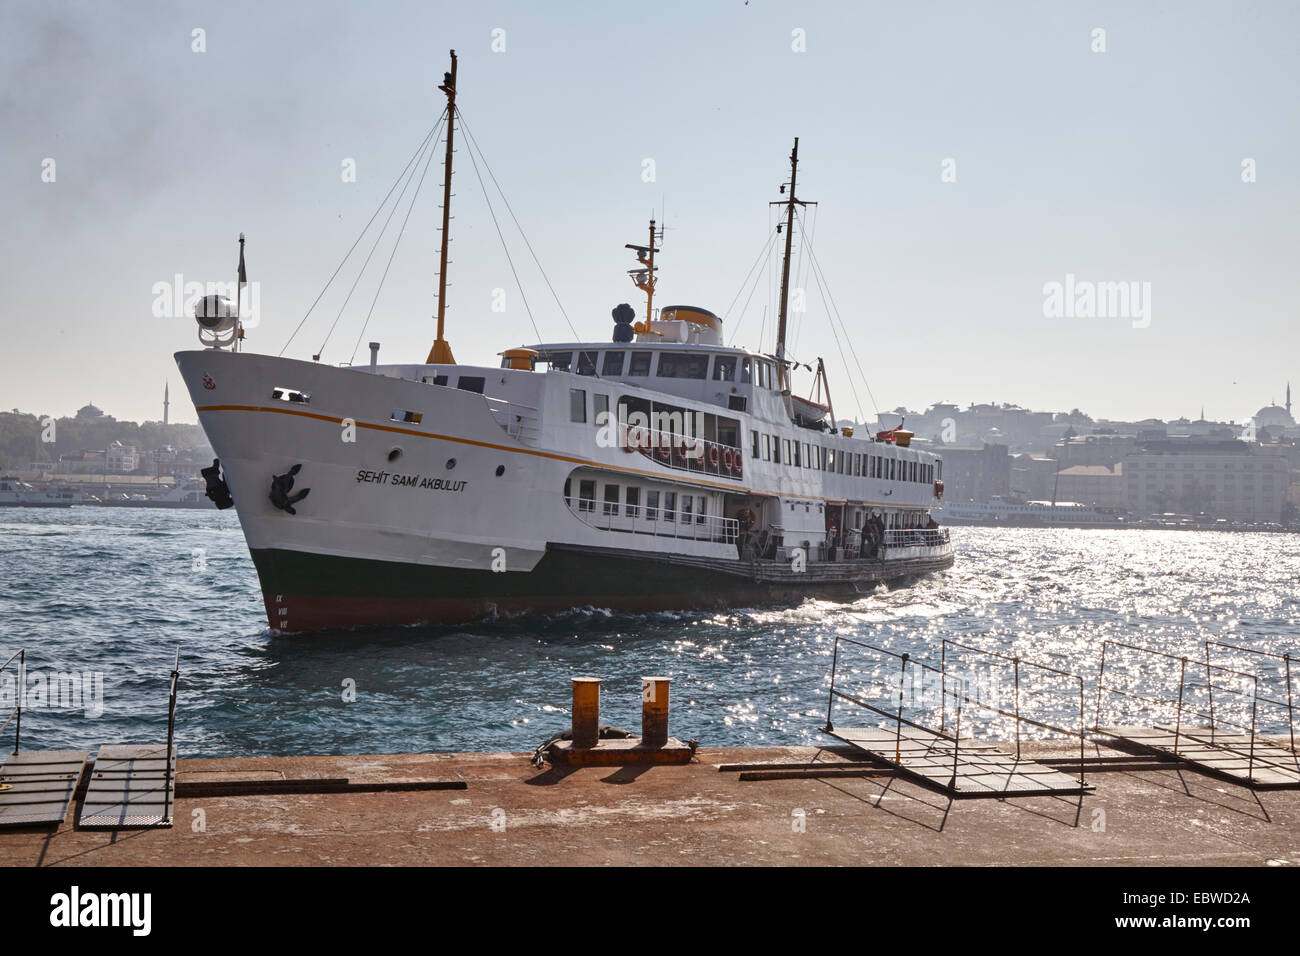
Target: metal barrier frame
x=21 y=654
x=1289 y=706
x=171 y=736
x=1016 y=662
x=1182 y=685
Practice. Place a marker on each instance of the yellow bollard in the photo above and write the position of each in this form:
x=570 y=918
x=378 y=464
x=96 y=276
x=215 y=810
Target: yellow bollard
x=586 y=711
x=654 y=711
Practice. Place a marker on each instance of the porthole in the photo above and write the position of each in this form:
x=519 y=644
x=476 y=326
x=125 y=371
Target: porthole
x=501 y=470
x=394 y=454
x=451 y=463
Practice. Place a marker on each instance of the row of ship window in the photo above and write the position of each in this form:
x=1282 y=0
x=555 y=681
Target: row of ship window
x=741 y=369
x=674 y=507
x=858 y=464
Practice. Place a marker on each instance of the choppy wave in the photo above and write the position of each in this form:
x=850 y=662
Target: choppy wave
x=116 y=591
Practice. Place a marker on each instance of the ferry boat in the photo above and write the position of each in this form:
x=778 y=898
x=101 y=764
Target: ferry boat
x=659 y=469
x=1000 y=510
x=15 y=493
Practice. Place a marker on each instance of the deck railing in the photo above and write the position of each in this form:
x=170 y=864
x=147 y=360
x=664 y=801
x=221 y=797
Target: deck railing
x=683 y=452
x=916 y=537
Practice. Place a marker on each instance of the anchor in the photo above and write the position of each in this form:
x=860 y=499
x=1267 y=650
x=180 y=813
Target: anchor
x=281 y=486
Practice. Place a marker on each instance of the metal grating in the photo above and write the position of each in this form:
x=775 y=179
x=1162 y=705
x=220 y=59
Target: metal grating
x=131 y=785
x=41 y=784
x=960 y=769
x=1244 y=758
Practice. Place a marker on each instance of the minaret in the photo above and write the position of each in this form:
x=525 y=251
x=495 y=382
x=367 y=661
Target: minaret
x=1288 y=398
x=166 y=400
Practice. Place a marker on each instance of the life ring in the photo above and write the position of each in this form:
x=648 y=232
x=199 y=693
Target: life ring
x=747 y=518
x=729 y=460
x=739 y=458
x=665 y=452
x=679 y=450
x=715 y=456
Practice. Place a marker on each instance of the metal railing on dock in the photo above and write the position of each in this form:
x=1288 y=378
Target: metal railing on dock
x=1288 y=705
x=17 y=713
x=1201 y=735
x=933 y=756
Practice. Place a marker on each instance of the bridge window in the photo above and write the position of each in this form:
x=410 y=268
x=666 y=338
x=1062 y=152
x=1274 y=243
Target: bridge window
x=470 y=383
x=586 y=363
x=613 y=363
x=746 y=375
x=640 y=364
x=577 y=404
x=724 y=368
x=558 y=361
x=683 y=366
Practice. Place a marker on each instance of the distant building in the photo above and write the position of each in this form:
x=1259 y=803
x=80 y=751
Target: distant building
x=120 y=459
x=91 y=413
x=975 y=474
x=1096 y=485
x=1224 y=478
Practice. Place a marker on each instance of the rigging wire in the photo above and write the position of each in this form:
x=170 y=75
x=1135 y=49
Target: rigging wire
x=470 y=138
x=400 y=176
x=505 y=248
x=379 y=238
x=388 y=265
x=833 y=311
x=727 y=312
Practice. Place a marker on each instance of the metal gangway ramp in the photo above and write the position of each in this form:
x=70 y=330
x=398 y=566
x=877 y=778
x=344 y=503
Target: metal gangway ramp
x=936 y=757
x=1218 y=736
x=35 y=787
x=134 y=785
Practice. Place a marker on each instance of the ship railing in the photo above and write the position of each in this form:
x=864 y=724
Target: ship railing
x=518 y=420
x=609 y=516
x=916 y=537
x=16 y=715
x=683 y=452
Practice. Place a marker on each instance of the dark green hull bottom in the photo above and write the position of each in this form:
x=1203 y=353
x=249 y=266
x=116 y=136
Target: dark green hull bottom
x=308 y=592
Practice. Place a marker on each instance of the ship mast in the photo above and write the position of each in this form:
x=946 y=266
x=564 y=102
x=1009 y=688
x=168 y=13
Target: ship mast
x=644 y=277
x=782 y=373
x=440 y=354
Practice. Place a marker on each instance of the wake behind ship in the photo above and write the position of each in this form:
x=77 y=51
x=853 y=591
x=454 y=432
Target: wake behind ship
x=659 y=470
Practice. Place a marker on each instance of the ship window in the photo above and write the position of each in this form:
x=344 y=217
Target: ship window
x=577 y=405
x=558 y=361
x=736 y=403
x=704 y=507
x=776 y=449
x=807 y=462
x=729 y=432
x=795 y=462
x=764 y=376
x=613 y=364
x=746 y=376
x=830 y=460
x=586 y=363
x=470 y=383
x=600 y=409
x=724 y=368
x=586 y=495
x=291 y=395
x=652 y=505
x=611 y=499
x=633 y=508
x=686 y=509
x=683 y=366
x=670 y=505
x=410 y=418
x=640 y=364
x=785 y=448
x=754 y=436
x=767 y=447
x=568 y=491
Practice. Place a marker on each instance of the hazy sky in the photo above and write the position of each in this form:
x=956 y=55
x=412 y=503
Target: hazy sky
x=1117 y=166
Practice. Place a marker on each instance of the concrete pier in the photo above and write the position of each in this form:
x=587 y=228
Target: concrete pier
x=510 y=813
